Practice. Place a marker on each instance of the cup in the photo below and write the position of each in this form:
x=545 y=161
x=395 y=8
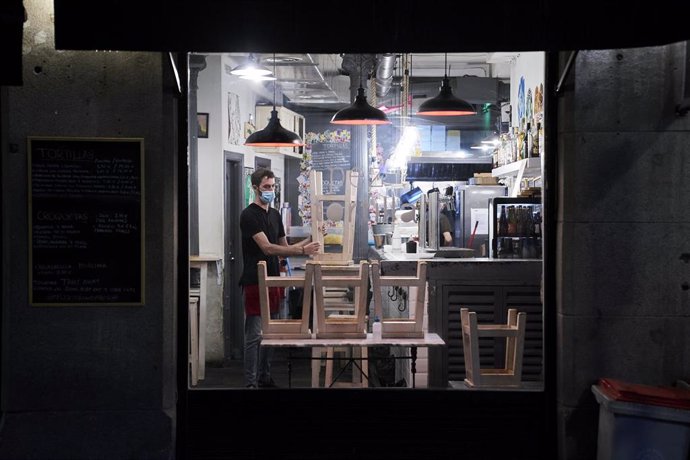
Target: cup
x=411 y=247
x=389 y=238
x=379 y=240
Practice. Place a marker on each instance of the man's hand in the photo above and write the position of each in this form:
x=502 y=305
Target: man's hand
x=312 y=248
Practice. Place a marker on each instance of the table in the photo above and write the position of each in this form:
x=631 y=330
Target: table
x=198 y=320
x=430 y=339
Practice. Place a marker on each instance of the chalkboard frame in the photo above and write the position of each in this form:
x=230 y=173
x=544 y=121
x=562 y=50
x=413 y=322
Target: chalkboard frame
x=140 y=289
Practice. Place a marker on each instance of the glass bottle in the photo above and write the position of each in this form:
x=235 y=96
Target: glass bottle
x=503 y=222
x=512 y=221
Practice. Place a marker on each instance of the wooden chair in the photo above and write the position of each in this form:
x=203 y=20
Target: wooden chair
x=194 y=338
x=357 y=355
x=411 y=327
x=285 y=328
x=341 y=210
x=514 y=333
x=334 y=325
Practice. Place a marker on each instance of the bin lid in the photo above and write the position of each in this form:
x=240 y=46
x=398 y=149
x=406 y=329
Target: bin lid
x=666 y=396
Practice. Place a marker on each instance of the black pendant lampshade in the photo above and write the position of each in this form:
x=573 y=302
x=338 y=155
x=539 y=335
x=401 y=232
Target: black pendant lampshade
x=360 y=113
x=273 y=135
x=445 y=103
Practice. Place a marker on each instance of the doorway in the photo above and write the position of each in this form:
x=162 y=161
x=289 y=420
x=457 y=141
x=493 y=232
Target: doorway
x=233 y=310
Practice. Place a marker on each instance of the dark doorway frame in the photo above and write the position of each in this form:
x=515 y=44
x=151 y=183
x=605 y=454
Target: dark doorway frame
x=233 y=310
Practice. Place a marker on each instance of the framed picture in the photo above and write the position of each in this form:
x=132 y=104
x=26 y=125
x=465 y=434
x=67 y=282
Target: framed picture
x=202 y=124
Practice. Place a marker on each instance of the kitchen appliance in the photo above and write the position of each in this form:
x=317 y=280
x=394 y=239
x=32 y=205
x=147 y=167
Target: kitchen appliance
x=515 y=228
x=466 y=207
x=471 y=226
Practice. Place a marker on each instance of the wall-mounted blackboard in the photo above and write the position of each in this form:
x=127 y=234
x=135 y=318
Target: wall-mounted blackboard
x=86 y=221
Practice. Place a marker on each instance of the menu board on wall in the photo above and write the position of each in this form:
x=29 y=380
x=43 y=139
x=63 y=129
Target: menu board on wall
x=332 y=157
x=86 y=221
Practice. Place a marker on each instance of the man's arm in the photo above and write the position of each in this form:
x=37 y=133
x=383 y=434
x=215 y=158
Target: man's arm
x=447 y=238
x=284 y=249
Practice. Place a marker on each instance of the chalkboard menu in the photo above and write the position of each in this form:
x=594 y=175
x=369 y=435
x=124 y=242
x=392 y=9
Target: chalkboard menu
x=331 y=156
x=86 y=221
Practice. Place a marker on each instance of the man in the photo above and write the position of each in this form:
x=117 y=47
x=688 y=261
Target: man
x=263 y=238
x=446 y=238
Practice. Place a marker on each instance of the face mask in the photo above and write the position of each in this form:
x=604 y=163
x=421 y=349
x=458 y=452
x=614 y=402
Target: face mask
x=267 y=197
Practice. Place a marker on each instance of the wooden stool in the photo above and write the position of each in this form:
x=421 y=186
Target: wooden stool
x=411 y=327
x=335 y=326
x=340 y=212
x=194 y=338
x=360 y=376
x=285 y=328
x=513 y=331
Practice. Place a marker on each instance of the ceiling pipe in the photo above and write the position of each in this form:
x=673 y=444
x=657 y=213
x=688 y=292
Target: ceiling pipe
x=384 y=73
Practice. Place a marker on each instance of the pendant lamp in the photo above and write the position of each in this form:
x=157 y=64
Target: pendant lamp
x=360 y=112
x=274 y=135
x=445 y=103
x=251 y=68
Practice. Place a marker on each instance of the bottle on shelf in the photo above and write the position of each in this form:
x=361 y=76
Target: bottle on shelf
x=537 y=224
x=540 y=139
x=512 y=221
x=529 y=146
x=503 y=222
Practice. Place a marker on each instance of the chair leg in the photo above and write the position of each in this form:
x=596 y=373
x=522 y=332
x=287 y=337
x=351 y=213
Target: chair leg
x=328 y=381
x=316 y=353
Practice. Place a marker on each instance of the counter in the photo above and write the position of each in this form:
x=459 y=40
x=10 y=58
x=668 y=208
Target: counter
x=487 y=286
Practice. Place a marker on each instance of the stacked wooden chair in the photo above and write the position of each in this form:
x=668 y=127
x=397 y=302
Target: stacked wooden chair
x=514 y=333
x=411 y=327
x=329 y=212
x=285 y=328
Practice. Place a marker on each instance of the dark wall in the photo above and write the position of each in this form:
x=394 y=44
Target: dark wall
x=623 y=300
x=95 y=381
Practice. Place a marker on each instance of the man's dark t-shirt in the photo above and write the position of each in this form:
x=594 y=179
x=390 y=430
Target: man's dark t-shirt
x=254 y=219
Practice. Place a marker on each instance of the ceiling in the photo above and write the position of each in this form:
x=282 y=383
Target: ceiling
x=324 y=80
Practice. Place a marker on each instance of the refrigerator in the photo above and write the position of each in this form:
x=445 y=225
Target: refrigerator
x=471 y=216
x=519 y=236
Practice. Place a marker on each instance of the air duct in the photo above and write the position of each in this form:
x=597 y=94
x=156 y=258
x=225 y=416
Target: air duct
x=384 y=73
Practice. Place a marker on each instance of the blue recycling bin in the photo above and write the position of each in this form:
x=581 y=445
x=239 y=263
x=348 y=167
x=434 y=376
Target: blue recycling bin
x=630 y=430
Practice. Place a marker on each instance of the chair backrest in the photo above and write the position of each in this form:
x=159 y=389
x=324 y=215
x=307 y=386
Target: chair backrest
x=412 y=326
x=336 y=214
x=284 y=328
x=336 y=276
x=514 y=333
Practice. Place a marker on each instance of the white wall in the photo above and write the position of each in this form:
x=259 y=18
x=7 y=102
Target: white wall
x=531 y=66
x=212 y=97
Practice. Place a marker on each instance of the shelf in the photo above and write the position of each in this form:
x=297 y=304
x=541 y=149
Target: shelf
x=527 y=167
x=532 y=168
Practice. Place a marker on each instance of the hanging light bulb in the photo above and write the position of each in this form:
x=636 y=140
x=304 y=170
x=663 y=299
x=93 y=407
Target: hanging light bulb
x=445 y=103
x=250 y=69
x=360 y=112
x=274 y=135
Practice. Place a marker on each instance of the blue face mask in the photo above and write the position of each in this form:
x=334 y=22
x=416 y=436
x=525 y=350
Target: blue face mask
x=267 y=197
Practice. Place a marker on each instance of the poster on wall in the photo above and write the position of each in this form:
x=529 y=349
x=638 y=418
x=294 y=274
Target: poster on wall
x=235 y=129
x=86 y=221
